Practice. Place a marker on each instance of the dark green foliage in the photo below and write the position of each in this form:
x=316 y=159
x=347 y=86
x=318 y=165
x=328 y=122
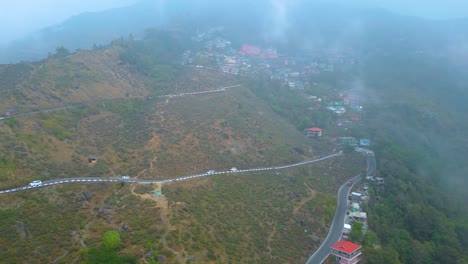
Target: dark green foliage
x=11 y=121
x=348 y=149
x=96 y=256
x=292 y=105
x=356 y=233
x=413 y=218
x=155 y=56
x=384 y=255
x=103 y=256
x=421 y=150
x=61 y=51
x=7 y=214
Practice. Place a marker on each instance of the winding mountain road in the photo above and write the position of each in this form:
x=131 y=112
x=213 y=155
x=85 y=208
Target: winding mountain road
x=183 y=178
x=336 y=228
x=217 y=90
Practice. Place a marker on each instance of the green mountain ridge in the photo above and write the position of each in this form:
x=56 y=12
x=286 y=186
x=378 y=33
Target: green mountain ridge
x=413 y=114
x=117 y=117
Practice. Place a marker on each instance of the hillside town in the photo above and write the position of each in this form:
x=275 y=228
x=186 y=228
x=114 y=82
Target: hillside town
x=294 y=73
x=252 y=60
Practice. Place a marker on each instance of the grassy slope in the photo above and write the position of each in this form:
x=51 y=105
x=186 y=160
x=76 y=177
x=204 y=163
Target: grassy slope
x=256 y=218
x=157 y=139
x=81 y=77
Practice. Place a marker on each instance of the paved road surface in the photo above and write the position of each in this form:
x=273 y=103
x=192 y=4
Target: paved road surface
x=336 y=228
x=183 y=178
x=217 y=90
x=334 y=234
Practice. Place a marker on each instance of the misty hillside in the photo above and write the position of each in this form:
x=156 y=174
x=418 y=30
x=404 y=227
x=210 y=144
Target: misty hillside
x=116 y=111
x=303 y=26
x=186 y=98
x=84 y=31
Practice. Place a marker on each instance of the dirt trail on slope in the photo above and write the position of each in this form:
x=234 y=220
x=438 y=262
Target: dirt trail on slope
x=305 y=199
x=162 y=203
x=269 y=239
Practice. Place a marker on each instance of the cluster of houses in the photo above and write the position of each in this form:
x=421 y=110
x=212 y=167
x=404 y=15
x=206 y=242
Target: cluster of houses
x=355 y=210
x=186 y=58
x=344 y=250
x=375 y=180
x=347 y=103
x=250 y=60
x=217 y=44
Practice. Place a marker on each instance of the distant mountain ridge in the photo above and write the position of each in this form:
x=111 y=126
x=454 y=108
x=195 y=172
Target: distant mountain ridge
x=84 y=30
x=302 y=26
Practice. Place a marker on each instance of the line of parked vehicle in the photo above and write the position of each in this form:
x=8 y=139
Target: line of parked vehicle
x=126 y=178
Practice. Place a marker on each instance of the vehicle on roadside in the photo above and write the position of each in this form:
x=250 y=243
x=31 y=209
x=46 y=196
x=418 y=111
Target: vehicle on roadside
x=233 y=169
x=210 y=172
x=126 y=177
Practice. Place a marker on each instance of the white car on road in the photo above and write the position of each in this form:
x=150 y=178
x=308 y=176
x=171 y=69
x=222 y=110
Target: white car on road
x=35 y=183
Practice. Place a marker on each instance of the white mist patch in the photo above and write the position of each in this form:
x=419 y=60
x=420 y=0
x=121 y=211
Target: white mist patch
x=351 y=34
x=457 y=50
x=278 y=21
x=280 y=25
x=358 y=90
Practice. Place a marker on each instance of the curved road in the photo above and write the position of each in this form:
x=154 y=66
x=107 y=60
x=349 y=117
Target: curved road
x=183 y=178
x=322 y=252
x=336 y=228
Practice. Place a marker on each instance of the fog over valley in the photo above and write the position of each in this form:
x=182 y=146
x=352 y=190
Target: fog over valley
x=35 y=27
x=203 y=131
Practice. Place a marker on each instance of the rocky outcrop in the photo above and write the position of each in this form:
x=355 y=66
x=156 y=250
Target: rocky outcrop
x=105 y=214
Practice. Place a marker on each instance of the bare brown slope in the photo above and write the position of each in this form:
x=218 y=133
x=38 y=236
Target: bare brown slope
x=81 y=77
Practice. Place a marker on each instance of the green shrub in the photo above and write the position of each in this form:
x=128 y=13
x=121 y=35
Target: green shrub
x=111 y=240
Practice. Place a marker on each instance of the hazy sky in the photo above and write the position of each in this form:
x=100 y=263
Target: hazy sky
x=435 y=9
x=18 y=17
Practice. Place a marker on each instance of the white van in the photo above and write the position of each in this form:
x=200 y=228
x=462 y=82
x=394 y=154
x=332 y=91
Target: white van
x=35 y=183
x=233 y=169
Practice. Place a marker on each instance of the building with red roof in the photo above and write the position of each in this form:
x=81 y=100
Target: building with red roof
x=347 y=252
x=255 y=51
x=251 y=50
x=314 y=132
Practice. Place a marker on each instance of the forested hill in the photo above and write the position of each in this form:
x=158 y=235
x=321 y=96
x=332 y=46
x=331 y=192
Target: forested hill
x=416 y=122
